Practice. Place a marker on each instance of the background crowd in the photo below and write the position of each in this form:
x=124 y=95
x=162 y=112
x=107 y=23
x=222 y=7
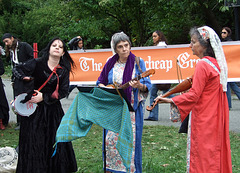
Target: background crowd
x=96 y=21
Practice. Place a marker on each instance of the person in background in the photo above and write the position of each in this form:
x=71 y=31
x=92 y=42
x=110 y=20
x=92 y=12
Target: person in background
x=19 y=52
x=159 y=39
x=38 y=131
x=4 y=108
x=226 y=36
x=120 y=69
x=208 y=143
x=75 y=43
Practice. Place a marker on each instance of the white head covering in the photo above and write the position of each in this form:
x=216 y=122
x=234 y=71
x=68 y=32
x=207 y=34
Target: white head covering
x=208 y=33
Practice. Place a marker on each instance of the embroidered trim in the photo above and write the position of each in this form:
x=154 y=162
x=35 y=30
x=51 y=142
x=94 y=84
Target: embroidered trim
x=210 y=63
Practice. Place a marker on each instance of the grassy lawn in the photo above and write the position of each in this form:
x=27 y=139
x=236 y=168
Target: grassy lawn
x=164 y=149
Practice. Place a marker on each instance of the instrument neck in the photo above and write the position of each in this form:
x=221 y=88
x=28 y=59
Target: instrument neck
x=126 y=85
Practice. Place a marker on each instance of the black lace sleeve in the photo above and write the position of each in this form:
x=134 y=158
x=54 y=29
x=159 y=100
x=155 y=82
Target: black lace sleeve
x=24 y=69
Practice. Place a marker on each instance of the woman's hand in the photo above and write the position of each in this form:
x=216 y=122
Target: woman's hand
x=37 y=97
x=101 y=85
x=163 y=99
x=27 y=78
x=137 y=84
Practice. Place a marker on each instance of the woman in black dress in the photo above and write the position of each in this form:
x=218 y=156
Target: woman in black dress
x=38 y=131
x=4 y=108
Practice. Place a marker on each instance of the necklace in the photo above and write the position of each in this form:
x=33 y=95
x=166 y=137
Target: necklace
x=121 y=61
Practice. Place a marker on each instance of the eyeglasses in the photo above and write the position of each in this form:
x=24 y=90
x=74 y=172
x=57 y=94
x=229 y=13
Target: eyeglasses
x=224 y=32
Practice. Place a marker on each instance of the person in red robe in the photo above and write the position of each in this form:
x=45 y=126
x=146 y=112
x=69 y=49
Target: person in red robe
x=208 y=145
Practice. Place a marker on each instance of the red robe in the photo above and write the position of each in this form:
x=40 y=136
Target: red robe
x=210 y=144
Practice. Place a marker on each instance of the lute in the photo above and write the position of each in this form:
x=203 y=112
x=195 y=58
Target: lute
x=143 y=75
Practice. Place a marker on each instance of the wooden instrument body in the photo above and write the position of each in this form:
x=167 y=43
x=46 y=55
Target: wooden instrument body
x=183 y=86
x=126 y=85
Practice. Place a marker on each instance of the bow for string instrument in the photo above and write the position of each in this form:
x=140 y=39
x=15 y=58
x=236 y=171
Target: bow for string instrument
x=126 y=85
x=183 y=86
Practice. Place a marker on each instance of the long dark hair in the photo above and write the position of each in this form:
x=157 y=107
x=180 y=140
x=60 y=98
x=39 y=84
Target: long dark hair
x=66 y=59
x=14 y=45
x=162 y=36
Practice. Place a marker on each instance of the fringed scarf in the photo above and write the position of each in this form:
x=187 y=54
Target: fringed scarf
x=127 y=74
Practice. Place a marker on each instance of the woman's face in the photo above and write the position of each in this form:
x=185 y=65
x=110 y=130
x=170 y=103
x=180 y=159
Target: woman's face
x=56 y=49
x=80 y=44
x=224 y=33
x=123 y=49
x=155 y=38
x=196 y=47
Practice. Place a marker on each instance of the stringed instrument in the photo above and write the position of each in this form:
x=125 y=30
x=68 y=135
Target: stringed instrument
x=183 y=86
x=143 y=75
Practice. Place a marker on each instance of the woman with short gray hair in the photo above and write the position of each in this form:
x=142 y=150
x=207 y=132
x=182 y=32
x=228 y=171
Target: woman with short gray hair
x=120 y=69
x=117 y=37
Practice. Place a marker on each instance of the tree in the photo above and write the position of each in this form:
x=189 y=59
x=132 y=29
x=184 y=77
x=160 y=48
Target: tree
x=97 y=20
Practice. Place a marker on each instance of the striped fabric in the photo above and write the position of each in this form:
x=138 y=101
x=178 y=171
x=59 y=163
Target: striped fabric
x=104 y=109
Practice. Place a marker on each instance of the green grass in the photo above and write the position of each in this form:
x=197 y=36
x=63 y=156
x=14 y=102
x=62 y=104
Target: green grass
x=8 y=72
x=164 y=149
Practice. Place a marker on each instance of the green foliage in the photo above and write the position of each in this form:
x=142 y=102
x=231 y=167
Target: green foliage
x=42 y=24
x=97 y=20
x=8 y=71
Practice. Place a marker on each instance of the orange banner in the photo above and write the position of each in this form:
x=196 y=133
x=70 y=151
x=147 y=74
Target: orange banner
x=171 y=63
